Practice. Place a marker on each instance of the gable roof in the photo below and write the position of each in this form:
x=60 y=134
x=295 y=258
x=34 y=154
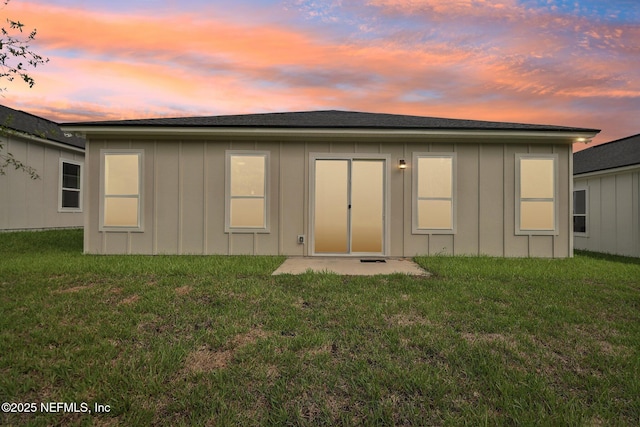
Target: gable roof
x=610 y=155
x=330 y=119
x=19 y=121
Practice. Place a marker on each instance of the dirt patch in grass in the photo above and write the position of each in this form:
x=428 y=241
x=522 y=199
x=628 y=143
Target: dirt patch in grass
x=183 y=290
x=250 y=337
x=611 y=350
x=154 y=325
x=324 y=349
x=339 y=403
x=206 y=359
x=505 y=346
x=103 y=421
x=129 y=300
x=302 y=304
x=407 y=319
x=557 y=357
x=601 y=337
x=72 y=290
x=489 y=338
x=234 y=295
x=273 y=372
x=591 y=282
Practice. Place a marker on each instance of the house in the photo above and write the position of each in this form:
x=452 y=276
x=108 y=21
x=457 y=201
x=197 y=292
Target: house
x=328 y=183
x=606 y=197
x=54 y=199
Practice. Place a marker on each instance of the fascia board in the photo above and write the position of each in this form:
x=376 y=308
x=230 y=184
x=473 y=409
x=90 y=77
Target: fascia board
x=612 y=171
x=570 y=136
x=48 y=142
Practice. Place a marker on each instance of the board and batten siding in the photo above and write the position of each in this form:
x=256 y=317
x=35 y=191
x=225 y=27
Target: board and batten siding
x=184 y=199
x=613 y=213
x=32 y=204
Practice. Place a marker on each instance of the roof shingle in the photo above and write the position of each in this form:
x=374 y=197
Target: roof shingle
x=20 y=121
x=331 y=119
x=613 y=154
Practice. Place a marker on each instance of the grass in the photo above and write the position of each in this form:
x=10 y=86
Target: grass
x=218 y=341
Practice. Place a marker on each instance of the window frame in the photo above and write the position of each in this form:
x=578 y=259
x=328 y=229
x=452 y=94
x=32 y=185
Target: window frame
x=62 y=188
x=415 y=229
x=228 y=197
x=103 y=154
x=518 y=199
x=585 y=214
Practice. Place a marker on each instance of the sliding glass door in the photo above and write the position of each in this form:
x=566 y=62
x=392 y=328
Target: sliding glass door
x=349 y=206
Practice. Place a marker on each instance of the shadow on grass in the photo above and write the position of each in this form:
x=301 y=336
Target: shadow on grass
x=608 y=257
x=67 y=241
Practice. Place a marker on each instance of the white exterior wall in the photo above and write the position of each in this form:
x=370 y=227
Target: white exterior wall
x=613 y=218
x=184 y=191
x=27 y=204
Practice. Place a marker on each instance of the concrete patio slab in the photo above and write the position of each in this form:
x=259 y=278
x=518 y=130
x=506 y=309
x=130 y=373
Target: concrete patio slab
x=350 y=266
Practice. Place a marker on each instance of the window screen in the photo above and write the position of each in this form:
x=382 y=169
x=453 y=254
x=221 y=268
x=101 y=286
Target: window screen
x=537 y=203
x=580 y=211
x=434 y=192
x=70 y=188
x=121 y=207
x=247 y=191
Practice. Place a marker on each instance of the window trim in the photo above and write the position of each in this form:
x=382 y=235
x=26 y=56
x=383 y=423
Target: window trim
x=415 y=229
x=140 y=226
x=227 y=196
x=61 y=187
x=518 y=199
x=586 y=212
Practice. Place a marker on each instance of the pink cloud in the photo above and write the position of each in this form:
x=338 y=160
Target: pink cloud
x=111 y=65
x=447 y=7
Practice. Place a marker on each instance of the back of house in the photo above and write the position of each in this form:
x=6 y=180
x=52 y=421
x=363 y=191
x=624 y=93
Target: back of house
x=54 y=198
x=319 y=183
x=606 y=197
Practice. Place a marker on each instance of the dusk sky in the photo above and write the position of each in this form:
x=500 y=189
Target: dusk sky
x=564 y=62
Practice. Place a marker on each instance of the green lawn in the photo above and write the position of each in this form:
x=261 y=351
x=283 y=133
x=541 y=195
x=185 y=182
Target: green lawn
x=188 y=340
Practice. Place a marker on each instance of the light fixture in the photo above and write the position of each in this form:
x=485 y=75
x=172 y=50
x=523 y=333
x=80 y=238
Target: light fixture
x=402 y=164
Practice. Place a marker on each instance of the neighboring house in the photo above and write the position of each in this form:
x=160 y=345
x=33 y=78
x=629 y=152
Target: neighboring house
x=606 y=197
x=54 y=200
x=328 y=183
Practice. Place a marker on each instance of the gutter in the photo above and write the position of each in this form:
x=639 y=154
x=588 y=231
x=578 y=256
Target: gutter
x=573 y=136
x=45 y=141
x=610 y=171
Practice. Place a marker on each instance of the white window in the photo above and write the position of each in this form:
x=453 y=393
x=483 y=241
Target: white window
x=121 y=184
x=70 y=189
x=247 y=191
x=580 y=220
x=434 y=193
x=536 y=194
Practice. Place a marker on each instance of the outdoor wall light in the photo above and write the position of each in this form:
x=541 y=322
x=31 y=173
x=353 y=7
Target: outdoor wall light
x=402 y=164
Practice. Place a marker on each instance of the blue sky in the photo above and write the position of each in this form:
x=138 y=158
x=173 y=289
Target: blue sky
x=574 y=63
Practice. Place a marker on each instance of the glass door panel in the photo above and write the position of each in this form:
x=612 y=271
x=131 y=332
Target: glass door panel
x=331 y=206
x=367 y=205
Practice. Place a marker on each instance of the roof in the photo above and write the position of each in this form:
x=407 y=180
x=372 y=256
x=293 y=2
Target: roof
x=610 y=155
x=20 y=121
x=332 y=119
